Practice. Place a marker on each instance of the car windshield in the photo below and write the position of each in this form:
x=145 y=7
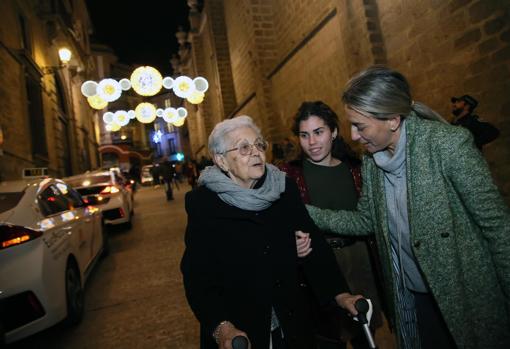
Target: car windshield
x=9 y=200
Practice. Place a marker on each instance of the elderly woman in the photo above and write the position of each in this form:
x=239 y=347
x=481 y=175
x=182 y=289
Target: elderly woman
x=442 y=228
x=240 y=263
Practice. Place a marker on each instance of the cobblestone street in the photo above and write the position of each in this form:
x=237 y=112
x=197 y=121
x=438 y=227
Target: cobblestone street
x=134 y=297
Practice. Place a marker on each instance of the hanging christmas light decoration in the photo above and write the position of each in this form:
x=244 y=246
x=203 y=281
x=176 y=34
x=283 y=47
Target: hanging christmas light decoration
x=89 y=88
x=146 y=81
x=97 y=102
x=170 y=115
x=179 y=122
x=183 y=86
x=196 y=97
x=182 y=112
x=201 y=84
x=145 y=112
x=109 y=90
x=113 y=127
x=168 y=82
x=125 y=84
x=108 y=117
x=121 y=118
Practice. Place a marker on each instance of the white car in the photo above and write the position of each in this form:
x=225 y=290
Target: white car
x=49 y=242
x=108 y=191
x=146 y=175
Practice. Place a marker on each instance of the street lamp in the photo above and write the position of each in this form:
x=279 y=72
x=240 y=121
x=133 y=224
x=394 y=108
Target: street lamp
x=65 y=55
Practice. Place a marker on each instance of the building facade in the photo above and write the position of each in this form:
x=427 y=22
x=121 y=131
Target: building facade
x=43 y=119
x=264 y=58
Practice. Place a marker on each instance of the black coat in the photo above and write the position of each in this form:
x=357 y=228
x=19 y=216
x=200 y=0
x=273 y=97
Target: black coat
x=237 y=264
x=483 y=132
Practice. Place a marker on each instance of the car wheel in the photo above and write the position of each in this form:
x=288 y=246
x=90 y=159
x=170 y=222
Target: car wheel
x=74 y=294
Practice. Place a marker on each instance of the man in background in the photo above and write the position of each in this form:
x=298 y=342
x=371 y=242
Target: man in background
x=463 y=110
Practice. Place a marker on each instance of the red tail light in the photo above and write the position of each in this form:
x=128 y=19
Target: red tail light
x=110 y=189
x=13 y=235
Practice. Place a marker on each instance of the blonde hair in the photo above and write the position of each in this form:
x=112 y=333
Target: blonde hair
x=382 y=92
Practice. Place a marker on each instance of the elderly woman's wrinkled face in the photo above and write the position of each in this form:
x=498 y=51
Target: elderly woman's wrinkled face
x=374 y=134
x=245 y=159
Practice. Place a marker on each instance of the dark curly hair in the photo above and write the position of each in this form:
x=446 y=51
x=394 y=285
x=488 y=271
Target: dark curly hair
x=340 y=149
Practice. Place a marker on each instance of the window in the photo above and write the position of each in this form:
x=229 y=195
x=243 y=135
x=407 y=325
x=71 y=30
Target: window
x=26 y=38
x=74 y=197
x=52 y=201
x=171 y=146
x=36 y=116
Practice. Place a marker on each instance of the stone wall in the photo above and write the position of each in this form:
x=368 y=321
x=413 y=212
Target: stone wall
x=285 y=52
x=39 y=59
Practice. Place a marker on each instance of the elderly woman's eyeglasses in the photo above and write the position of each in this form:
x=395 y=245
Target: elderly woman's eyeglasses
x=246 y=148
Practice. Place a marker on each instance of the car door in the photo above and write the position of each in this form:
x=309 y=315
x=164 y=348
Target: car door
x=91 y=224
x=69 y=227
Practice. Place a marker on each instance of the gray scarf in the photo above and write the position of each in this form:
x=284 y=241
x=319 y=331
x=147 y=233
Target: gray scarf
x=245 y=199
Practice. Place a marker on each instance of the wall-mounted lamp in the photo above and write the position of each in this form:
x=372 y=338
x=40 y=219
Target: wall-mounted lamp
x=65 y=55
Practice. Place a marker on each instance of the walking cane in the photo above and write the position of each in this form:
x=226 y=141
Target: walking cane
x=363 y=307
x=240 y=342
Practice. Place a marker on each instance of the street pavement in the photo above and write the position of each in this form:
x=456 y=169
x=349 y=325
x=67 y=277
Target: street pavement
x=134 y=297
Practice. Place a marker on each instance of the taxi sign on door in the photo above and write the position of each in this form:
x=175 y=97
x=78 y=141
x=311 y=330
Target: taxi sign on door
x=35 y=172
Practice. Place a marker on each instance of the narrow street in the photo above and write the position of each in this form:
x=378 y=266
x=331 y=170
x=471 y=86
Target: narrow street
x=134 y=298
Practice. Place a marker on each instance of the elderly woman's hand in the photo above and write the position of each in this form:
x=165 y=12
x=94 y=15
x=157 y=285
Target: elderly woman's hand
x=303 y=243
x=226 y=331
x=347 y=300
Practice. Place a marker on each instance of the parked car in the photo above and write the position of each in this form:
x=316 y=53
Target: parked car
x=107 y=190
x=49 y=242
x=146 y=175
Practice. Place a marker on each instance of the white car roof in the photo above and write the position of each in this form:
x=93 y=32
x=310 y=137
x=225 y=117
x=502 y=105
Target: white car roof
x=23 y=213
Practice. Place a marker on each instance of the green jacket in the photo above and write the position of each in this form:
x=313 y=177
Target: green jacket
x=459 y=227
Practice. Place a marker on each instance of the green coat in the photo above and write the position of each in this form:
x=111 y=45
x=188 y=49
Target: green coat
x=459 y=227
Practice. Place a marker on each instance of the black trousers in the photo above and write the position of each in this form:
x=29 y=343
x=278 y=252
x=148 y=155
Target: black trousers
x=278 y=339
x=431 y=326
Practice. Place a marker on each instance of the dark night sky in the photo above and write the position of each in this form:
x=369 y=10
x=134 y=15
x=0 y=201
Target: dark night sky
x=141 y=32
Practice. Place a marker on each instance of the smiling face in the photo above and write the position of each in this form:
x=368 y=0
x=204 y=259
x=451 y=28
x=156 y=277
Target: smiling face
x=374 y=134
x=316 y=139
x=245 y=170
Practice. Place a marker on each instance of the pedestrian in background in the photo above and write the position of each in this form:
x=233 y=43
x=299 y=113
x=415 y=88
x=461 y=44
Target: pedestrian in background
x=328 y=176
x=442 y=228
x=191 y=172
x=240 y=266
x=167 y=173
x=463 y=110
